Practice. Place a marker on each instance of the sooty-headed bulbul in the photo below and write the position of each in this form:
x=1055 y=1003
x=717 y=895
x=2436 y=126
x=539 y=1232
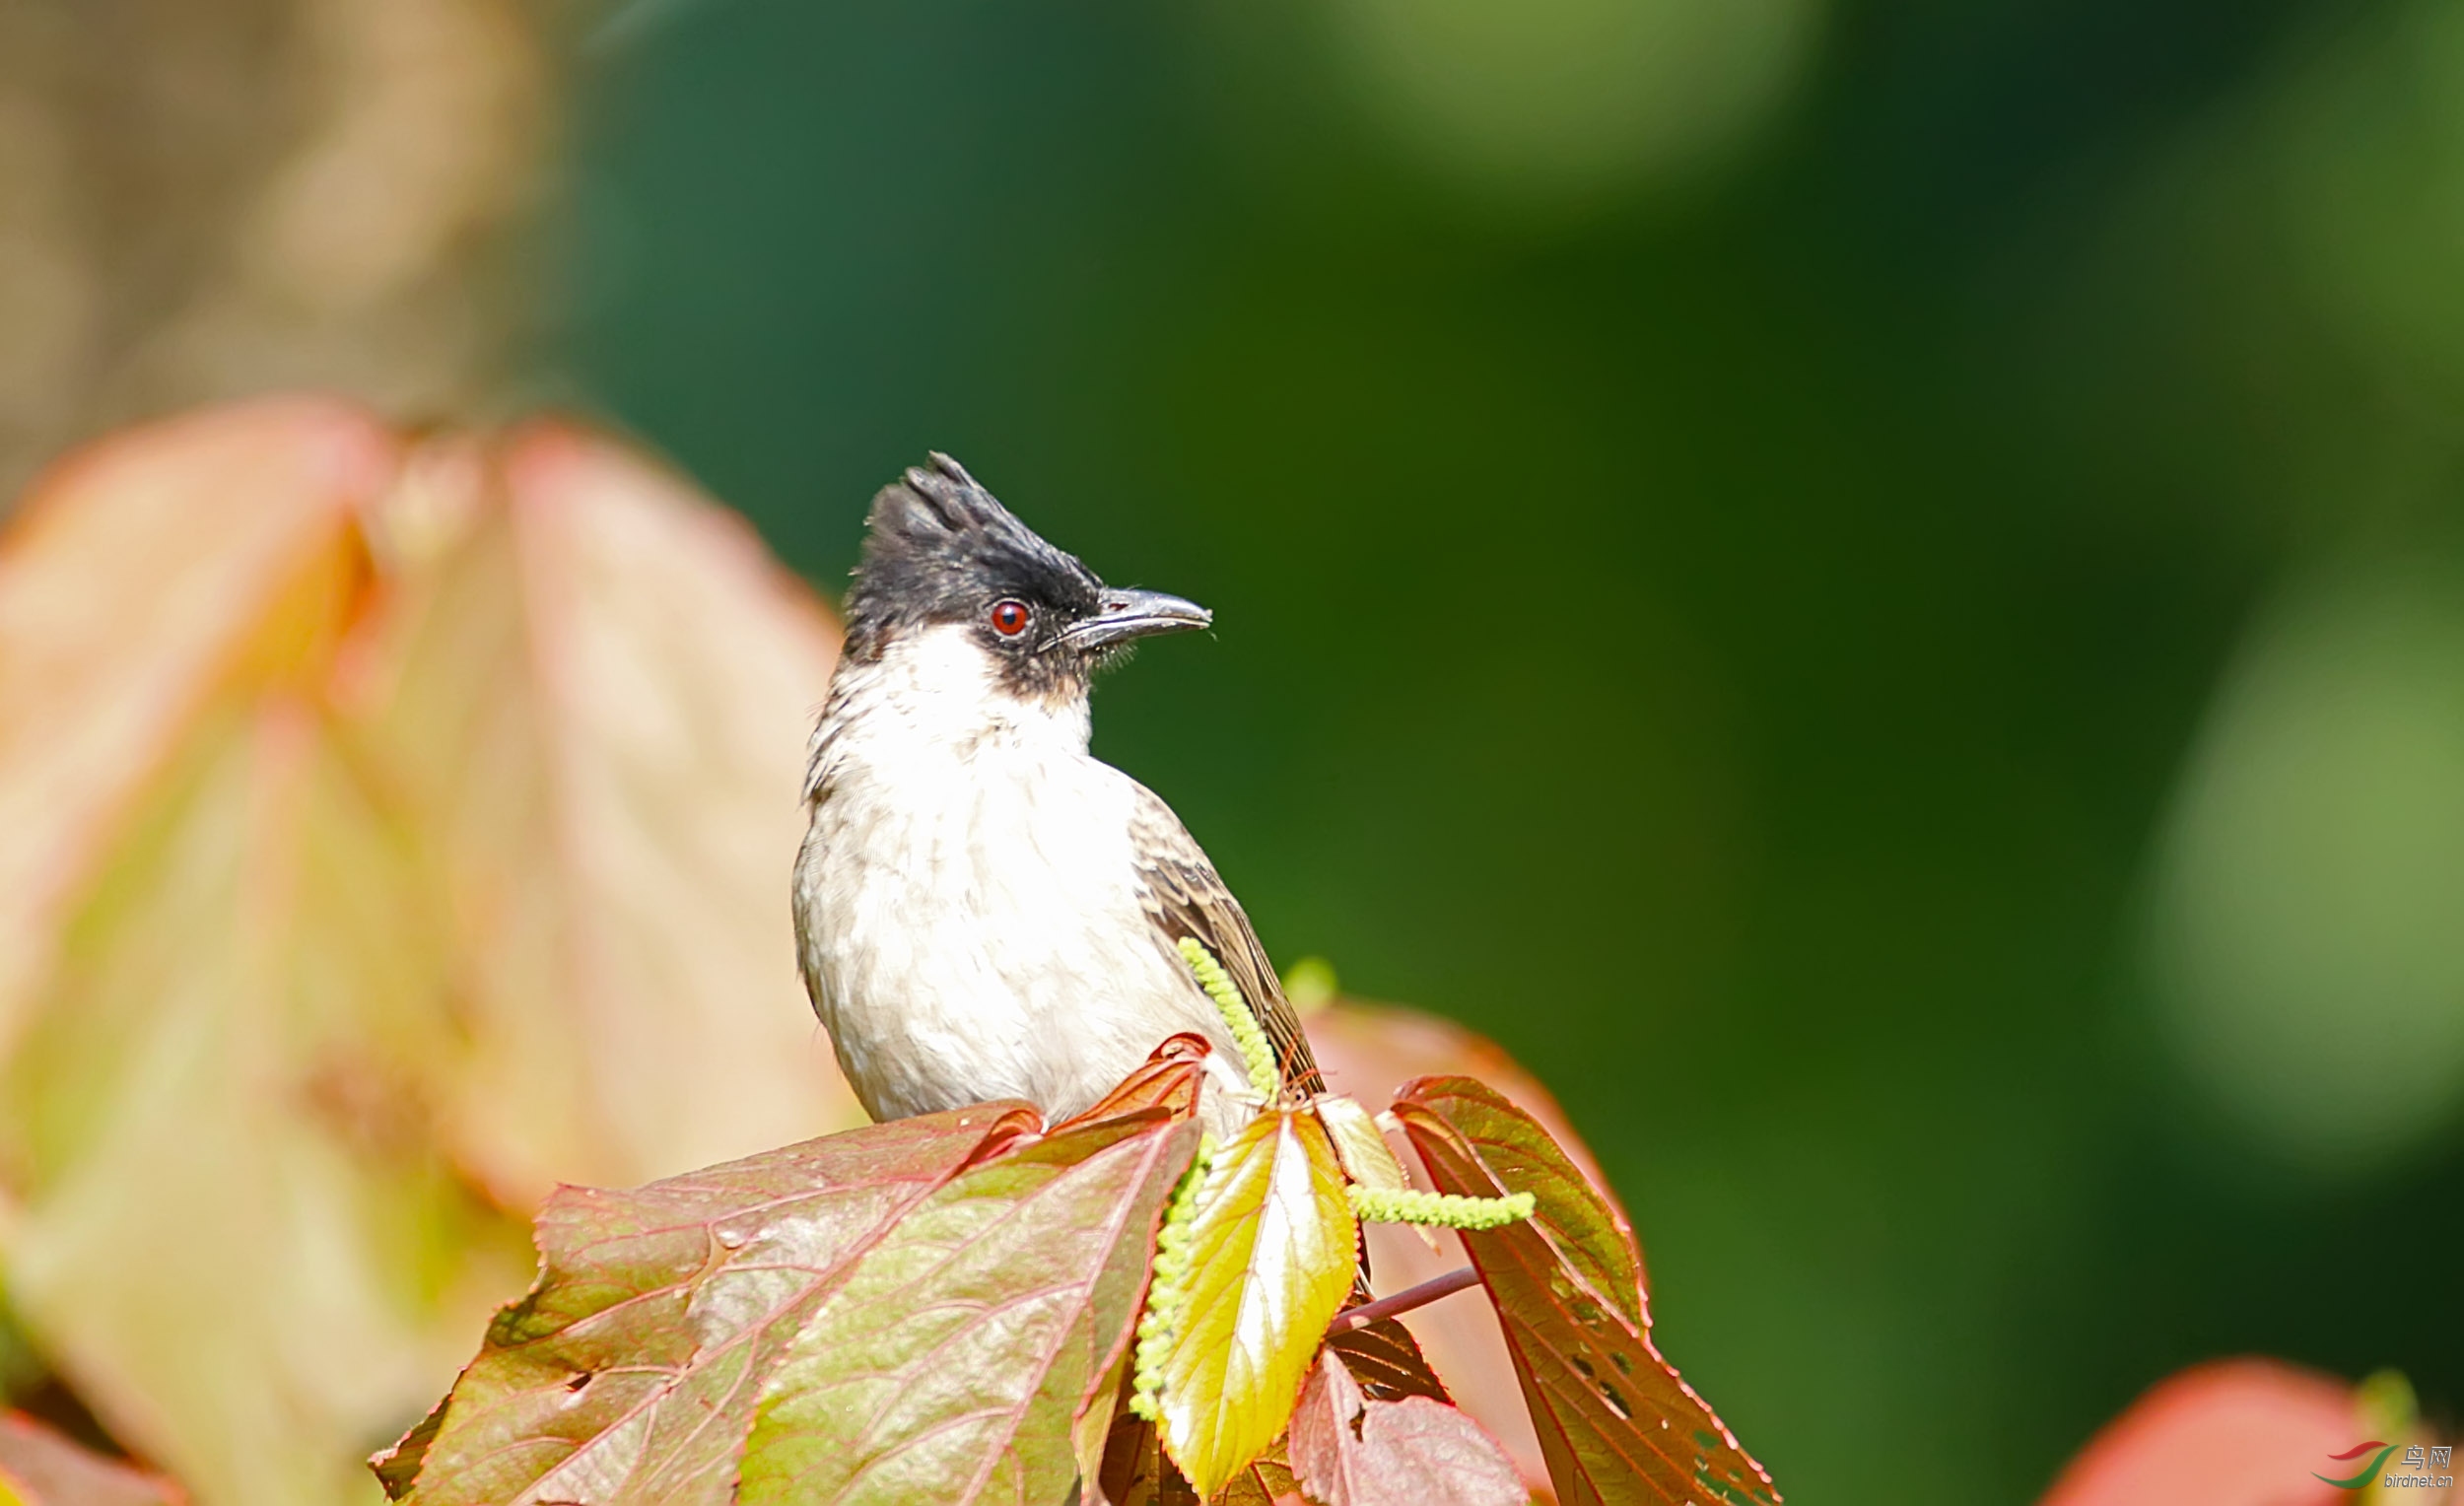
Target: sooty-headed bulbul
x=983 y=909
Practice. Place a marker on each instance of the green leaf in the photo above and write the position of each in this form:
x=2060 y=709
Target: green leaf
x=630 y=1373
x=1272 y=1253
x=1359 y=1143
x=1351 y=1451
x=1616 y=1421
x=951 y=1362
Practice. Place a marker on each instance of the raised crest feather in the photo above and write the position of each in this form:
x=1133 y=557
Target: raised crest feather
x=933 y=540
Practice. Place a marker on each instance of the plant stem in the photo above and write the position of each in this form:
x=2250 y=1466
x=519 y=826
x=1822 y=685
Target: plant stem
x=1402 y=1301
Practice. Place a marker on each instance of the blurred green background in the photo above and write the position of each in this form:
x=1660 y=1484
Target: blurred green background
x=1873 y=589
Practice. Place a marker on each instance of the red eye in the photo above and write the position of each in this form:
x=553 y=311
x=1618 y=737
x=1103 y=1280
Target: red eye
x=1011 y=618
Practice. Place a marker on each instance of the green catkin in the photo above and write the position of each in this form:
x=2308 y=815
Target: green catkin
x=1167 y=1292
x=1444 y=1210
x=1266 y=1079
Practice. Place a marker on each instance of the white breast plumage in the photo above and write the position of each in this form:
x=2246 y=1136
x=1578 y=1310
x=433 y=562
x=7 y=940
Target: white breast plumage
x=968 y=896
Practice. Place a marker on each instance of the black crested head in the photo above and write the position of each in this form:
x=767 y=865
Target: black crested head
x=940 y=549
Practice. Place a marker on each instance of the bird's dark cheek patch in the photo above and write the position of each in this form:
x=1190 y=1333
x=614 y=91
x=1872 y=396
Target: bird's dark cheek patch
x=1053 y=682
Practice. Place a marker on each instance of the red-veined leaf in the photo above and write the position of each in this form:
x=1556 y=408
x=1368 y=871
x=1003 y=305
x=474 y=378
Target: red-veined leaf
x=951 y=1362
x=1167 y=1079
x=1272 y=1253
x=629 y=1374
x=1370 y=1050
x=1617 y=1422
x=1351 y=1451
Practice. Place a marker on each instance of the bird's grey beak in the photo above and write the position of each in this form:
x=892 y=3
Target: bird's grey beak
x=1127 y=615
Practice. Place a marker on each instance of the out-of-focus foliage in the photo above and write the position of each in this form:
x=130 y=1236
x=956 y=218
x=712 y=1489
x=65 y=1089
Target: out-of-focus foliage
x=2305 y=923
x=397 y=829
x=200 y=199
x=2250 y=1432
x=39 y=1468
x=1552 y=105
x=1781 y=622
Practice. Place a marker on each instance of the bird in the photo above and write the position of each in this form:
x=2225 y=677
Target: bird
x=985 y=910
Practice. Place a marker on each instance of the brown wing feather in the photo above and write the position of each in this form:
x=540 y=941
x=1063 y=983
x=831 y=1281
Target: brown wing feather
x=1185 y=897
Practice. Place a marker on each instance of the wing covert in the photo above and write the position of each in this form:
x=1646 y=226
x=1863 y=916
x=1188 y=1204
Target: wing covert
x=1185 y=897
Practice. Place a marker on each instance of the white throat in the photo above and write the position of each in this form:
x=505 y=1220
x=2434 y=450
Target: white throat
x=932 y=697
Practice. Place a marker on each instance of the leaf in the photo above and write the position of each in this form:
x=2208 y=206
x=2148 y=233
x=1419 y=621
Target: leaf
x=1265 y=1481
x=1382 y=1356
x=1616 y=1421
x=1272 y=1257
x=210 y=1105
x=630 y=1372
x=1386 y=1360
x=1168 y=1079
x=1090 y=1437
x=1369 y=1050
x=593 y=700
x=39 y=1468
x=1138 y=1472
x=1359 y=1143
x=395 y=832
x=1351 y=1451
x=1135 y=1470
x=134 y=578
x=2242 y=1432
x=952 y=1360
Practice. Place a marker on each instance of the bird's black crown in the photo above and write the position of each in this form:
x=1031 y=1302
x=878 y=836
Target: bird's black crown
x=938 y=548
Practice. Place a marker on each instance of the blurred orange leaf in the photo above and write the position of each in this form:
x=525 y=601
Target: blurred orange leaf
x=132 y=578
x=396 y=830
x=2239 y=1432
